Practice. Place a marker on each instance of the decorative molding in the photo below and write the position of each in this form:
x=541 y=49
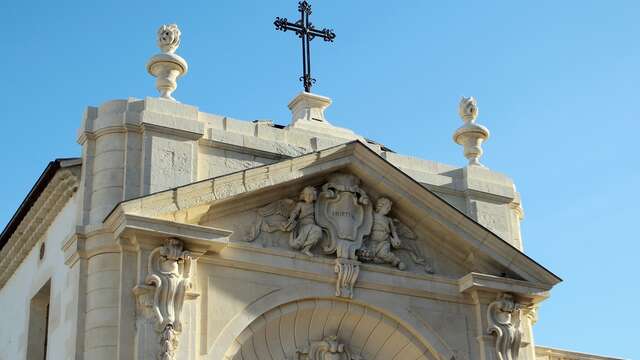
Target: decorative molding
x=548 y=353
x=348 y=271
x=493 y=253
x=327 y=349
x=527 y=291
x=162 y=297
x=503 y=316
x=35 y=224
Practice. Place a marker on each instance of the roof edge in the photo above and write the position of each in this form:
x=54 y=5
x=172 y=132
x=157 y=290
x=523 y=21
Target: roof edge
x=37 y=189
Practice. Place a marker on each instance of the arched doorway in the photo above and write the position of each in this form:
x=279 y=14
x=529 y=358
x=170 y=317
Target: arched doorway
x=318 y=329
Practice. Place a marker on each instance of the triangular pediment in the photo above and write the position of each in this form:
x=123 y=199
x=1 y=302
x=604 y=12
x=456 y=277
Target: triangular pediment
x=256 y=205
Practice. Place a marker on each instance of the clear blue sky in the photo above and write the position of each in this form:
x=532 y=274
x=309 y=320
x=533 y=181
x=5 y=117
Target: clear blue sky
x=556 y=81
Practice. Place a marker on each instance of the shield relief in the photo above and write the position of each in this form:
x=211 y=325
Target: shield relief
x=344 y=211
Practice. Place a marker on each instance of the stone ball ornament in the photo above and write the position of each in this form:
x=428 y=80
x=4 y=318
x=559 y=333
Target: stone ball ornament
x=167 y=66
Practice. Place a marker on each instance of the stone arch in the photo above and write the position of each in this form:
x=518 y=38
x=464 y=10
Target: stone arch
x=273 y=327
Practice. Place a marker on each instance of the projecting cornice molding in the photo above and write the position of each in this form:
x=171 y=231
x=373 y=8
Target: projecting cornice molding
x=37 y=220
x=243 y=190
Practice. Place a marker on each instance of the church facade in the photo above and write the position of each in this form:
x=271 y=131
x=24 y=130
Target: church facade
x=180 y=234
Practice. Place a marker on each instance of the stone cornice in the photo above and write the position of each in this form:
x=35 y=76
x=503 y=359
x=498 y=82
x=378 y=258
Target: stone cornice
x=191 y=202
x=197 y=238
x=372 y=277
x=526 y=291
x=37 y=220
x=547 y=353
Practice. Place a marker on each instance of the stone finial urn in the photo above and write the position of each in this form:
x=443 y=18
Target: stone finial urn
x=167 y=66
x=470 y=135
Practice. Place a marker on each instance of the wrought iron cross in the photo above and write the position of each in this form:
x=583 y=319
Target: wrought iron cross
x=307 y=32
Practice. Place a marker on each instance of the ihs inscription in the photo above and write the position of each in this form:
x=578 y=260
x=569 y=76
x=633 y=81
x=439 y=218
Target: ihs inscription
x=343 y=214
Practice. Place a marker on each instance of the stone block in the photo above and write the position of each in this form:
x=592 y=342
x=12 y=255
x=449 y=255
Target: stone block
x=173 y=123
x=268 y=132
x=212 y=121
x=175 y=109
x=226 y=137
x=239 y=126
x=110 y=142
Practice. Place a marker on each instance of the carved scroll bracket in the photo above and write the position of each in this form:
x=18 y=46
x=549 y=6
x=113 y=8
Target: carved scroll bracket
x=347 y=271
x=503 y=316
x=162 y=296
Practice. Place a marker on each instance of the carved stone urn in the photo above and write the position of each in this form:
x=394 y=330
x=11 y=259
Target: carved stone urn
x=167 y=66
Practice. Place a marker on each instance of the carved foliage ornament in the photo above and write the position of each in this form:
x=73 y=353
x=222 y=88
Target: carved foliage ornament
x=341 y=220
x=468 y=108
x=327 y=349
x=168 y=38
x=503 y=316
x=170 y=274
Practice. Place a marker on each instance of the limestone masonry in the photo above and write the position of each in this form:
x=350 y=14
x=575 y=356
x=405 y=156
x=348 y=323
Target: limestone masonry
x=180 y=234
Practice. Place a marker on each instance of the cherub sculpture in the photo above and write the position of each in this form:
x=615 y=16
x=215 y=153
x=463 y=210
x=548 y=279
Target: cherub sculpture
x=383 y=237
x=305 y=232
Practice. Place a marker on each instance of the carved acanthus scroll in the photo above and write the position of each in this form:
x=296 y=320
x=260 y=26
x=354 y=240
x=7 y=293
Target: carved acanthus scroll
x=327 y=349
x=170 y=275
x=503 y=316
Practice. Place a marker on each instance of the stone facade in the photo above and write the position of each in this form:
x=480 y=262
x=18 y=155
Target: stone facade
x=186 y=235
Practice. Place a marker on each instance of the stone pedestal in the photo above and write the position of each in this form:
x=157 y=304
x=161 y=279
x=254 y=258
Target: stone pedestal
x=307 y=111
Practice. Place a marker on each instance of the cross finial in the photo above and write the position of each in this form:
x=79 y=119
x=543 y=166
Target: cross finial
x=307 y=32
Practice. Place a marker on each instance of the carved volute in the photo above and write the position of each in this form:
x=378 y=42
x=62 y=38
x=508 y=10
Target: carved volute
x=162 y=297
x=503 y=316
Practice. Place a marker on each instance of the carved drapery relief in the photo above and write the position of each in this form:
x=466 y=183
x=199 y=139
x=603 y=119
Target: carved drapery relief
x=341 y=220
x=503 y=316
x=301 y=224
x=327 y=349
x=162 y=297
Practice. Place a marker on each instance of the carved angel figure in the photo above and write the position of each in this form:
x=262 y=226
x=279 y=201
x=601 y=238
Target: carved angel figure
x=383 y=237
x=169 y=38
x=305 y=233
x=504 y=322
x=408 y=242
x=271 y=218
